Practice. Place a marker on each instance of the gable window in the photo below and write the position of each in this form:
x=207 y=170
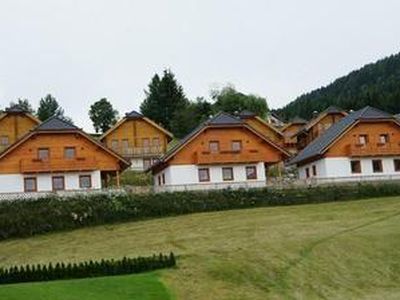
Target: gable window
x=355 y=166
x=377 y=166
x=251 y=172
x=314 y=170
x=43 y=153
x=213 y=146
x=4 y=141
x=58 y=183
x=227 y=174
x=69 y=152
x=236 y=146
x=383 y=139
x=204 y=174
x=85 y=181
x=307 y=172
x=362 y=139
x=30 y=184
x=114 y=145
x=396 y=165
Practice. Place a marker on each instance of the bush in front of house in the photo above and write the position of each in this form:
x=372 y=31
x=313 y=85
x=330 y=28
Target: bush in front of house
x=59 y=271
x=22 y=218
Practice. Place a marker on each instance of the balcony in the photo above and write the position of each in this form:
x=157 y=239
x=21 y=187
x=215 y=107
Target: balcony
x=374 y=149
x=58 y=165
x=226 y=157
x=139 y=151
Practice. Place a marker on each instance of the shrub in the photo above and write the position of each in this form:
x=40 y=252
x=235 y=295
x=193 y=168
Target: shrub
x=86 y=269
x=21 y=218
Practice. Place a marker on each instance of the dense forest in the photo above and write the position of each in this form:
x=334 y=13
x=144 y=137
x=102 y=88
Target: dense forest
x=376 y=84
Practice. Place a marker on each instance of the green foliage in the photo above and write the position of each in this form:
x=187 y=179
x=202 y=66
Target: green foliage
x=375 y=84
x=32 y=273
x=49 y=107
x=231 y=101
x=103 y=115
x=21 y=218
x=22 y=104
x=136 y=178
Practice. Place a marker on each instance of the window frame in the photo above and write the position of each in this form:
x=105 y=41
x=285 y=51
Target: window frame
x=43 y=149
x=210 y=148
x=314 y=170
x=255 y=172
x=396 y=168
x=380 y=166
x=4 y=137
x=52 y=183
x=208 y=179
x=69 y=148
x=366 y=139
x=353 y=170
x=386 y=138
x=90 y=181
x=239 y=142
x=308 y=172
x=231 y=178
x=35 y=185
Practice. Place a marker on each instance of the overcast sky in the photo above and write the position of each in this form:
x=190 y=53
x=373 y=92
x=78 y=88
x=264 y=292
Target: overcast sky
x=80 y=51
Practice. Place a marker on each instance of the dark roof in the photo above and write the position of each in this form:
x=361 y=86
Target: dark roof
x=223 y=118
x=397 y=116
x=246 y=114
x=134 y=114
x=333 y=110
x=56 y=124
x=318 y=146
x=15 y=109
x=298 y=120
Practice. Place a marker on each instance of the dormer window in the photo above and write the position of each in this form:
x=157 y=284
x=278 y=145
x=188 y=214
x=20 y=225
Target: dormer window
x=213 y=146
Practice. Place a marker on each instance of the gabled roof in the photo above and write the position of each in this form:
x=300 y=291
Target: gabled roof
x=18 y=110
x=298 y=120
x=322 y=143
x=56 y=124
x=250 y=115
x=221 y=119
x=247 y=114
x=134 y=114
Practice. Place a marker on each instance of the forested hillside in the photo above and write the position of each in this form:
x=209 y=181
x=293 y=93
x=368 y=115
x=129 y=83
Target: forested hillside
x=376 y=84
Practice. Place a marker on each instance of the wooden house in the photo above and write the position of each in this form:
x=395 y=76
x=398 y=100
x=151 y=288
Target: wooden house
x=290 y=131
x=15 y=123
x=57 y=156
x=138 y=139
x=365 y=145
x=225 y=151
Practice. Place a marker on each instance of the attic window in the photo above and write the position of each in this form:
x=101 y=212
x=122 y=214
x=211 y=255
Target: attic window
x=4 y=141
x=43 y=153
x=213 y=146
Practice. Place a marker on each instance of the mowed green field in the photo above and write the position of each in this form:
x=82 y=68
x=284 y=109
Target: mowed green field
x=130 y=287
x=344 y=250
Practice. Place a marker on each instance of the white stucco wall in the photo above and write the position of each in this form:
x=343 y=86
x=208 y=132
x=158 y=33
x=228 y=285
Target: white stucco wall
x=183 y=177
x=14 y=183
x=340 y=167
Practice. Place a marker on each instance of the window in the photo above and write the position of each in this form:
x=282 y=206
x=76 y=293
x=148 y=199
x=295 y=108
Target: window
x=114 y=144
x=314 y=170
x=43 y=153
x=355 y=166
x=363 y=139
x=146 y=145
x=251 y=172
x=163 y=178
x=377 y=166
x=30 y=184
x=204 y=175
x=397 y=165
x=307 y=172
x=236 y=146
x=125 y=144
x=156 y=141
x=85 y=181
x=213 y=146
x=159 y=180
x=227 y=174
x=69 y=152
x=58 y=183
x=146 y=163
x=383 y=139
x=4 y=141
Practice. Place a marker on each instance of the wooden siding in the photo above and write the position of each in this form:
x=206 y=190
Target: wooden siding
x=14 y=126
x=134 y=131
x=348 y=145
x=265 y=130
x=254 y=148
x=24 y=158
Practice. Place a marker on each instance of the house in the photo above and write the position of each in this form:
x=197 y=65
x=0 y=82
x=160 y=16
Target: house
x=275 y=120
x=364 y=145
x=57 y=156
x=15 y=123
x=137 y=139
x=318 y=125
x=290 y=131
x=223 y=152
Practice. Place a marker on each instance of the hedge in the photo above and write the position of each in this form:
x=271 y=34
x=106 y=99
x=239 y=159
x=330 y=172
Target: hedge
x=22 y=218
x=31 y=273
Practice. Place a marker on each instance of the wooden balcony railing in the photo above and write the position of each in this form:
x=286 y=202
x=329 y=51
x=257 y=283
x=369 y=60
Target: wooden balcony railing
x=223 y=157
x=374 y=149
x=139 y=151
x=58 y=165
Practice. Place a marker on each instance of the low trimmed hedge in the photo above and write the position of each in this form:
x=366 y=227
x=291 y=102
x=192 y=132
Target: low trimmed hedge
x=22 y=218
x=32 y=273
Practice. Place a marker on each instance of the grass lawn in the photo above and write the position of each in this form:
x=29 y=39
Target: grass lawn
x=131 y=287
x=344 y=250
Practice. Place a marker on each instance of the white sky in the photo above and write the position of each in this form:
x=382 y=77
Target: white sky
x=80 y=51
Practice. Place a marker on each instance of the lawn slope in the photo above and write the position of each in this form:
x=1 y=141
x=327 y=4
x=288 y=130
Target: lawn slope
x=346 y=250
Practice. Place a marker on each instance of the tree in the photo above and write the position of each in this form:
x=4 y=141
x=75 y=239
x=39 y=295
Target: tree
x=49 y=107
x=103 y=115
x=231 y=101
x=22 y=104
x=164 y=100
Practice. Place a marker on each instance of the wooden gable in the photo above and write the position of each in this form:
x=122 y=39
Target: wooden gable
x=265 y=129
